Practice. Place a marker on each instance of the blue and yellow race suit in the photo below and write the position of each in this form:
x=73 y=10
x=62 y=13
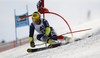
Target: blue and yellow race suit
x=42 y=28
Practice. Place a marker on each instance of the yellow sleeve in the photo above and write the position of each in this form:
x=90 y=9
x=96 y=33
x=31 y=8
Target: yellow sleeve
x=47 y=30
x=31 y=39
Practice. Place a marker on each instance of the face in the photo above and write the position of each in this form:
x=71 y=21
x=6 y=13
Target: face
x=37 y=21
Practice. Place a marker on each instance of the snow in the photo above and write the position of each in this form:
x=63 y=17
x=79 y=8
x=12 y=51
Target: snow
x=88 y=47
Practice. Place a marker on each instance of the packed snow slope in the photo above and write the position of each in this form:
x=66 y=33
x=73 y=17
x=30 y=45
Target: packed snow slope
x=88 y=47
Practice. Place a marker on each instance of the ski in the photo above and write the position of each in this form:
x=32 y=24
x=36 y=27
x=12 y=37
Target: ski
x=30 y=50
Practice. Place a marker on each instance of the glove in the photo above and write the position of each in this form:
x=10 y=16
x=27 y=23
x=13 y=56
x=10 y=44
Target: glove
x=45 y=37
x=32 y=44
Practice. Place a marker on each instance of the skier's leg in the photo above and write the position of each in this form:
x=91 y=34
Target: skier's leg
x=53 y=34
x=39 y=37
x=52 y=37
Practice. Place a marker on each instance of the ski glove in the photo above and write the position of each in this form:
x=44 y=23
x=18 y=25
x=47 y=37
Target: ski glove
x=45 y=37
x=31 y=39
x=32 y=44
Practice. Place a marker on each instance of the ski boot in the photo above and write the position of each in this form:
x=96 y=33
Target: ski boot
x=53 y=43
x=67 y=39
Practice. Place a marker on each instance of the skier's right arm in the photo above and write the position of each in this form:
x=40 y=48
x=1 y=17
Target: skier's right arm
x=31 y=33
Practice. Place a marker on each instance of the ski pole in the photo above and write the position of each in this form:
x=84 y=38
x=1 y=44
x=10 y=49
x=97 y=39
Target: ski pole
x=72 y=32
x=76 y=31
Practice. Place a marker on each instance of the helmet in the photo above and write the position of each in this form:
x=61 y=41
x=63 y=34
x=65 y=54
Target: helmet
x=36 y=16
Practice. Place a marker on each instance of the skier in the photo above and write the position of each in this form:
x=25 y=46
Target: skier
x=41 y=8
x=43 y=28
x=39 y=5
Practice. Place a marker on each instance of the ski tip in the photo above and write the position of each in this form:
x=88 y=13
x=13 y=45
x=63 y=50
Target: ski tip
x=29 y=50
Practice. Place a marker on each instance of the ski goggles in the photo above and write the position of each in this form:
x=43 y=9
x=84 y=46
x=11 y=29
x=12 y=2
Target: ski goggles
x=35 y=20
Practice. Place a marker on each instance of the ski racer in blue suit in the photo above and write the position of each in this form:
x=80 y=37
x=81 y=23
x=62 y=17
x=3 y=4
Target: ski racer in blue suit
x=42 y=26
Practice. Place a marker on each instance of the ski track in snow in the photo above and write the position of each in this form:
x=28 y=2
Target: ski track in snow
x=88 y=47
x=81 y=49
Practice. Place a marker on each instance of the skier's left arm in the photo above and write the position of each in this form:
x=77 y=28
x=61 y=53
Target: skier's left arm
x=46 y=24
